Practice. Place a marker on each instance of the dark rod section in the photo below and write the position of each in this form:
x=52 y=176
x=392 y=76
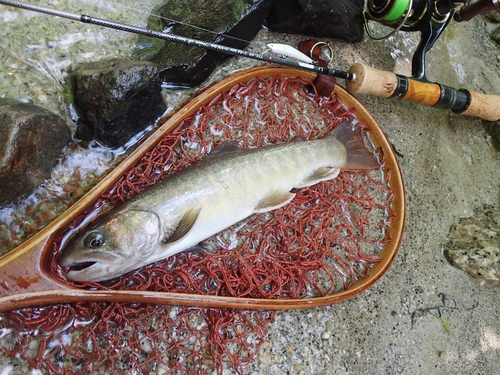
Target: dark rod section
x=456 y=100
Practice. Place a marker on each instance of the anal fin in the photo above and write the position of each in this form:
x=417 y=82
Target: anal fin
x=320 y=174
x=185 y=224
x=278 y=199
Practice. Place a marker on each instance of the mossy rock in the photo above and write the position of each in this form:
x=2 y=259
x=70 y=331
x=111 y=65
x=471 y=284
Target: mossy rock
x=184 y=65
x=495 y=35
x=115 y=99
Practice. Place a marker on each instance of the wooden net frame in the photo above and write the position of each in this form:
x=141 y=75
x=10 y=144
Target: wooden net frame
x=332 y=242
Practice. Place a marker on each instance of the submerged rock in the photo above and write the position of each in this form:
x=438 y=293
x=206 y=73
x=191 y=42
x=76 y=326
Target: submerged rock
x=340 y=19
x=116 y=99
x=31 y=138
x=183 y=65
x=474 y=243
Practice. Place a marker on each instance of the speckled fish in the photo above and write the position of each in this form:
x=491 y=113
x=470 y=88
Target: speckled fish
x=226 y=186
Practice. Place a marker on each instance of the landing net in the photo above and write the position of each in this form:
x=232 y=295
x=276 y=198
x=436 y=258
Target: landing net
x=321 y=243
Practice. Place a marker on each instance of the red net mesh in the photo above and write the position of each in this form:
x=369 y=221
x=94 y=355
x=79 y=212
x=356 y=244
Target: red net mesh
x=134 y=339
x=322 y=242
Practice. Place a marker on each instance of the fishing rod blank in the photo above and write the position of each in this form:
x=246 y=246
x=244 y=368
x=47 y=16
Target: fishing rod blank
x=180 y=39
x=360 y=79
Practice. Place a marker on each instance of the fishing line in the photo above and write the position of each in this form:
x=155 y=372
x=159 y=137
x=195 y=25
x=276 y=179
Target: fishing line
x=283 y=50
x=174 y=21
x=180 y=39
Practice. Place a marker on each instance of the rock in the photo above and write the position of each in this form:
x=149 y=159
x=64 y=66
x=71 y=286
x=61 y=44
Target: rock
x=474 y=243
x=183 y=65
x=31 y=138
x=492 y=15
x=115 y=99
x=340 y=19
x=495 y=35
x=493 y=129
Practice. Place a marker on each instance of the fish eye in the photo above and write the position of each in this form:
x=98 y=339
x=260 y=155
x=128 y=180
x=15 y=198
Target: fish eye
x=94 y=240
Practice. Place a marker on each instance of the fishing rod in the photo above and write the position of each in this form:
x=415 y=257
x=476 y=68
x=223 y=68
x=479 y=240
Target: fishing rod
x=430 y=18
x=360 y=79
x=179 y=39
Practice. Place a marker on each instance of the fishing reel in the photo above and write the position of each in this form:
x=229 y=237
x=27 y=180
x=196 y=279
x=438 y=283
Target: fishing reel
x=430 y=17
x=411 y=15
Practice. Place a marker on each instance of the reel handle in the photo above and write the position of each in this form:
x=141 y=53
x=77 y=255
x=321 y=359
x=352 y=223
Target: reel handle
x=467 y=12
x=368 y=80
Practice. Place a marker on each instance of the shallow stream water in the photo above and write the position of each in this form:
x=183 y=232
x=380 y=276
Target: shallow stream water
x=38 y=51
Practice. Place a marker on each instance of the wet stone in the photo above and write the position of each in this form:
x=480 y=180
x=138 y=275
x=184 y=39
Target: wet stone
x=339 y=19
x=474 y=243
x=31 y=139
x=115 y=99
x=187 y=66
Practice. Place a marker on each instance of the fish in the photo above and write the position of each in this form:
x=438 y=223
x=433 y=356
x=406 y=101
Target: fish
x=226 y=186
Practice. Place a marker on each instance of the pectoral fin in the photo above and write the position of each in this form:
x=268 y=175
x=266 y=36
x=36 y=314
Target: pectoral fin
x=276 y=200
x=185 y=224
x=321 y=174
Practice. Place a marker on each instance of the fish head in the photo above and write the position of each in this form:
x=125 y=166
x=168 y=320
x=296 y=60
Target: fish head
x=120 y=243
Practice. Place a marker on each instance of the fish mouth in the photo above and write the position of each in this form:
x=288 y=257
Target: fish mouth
x=86 y=267
x=91 y=267
x=80 y=266
x=83 y=271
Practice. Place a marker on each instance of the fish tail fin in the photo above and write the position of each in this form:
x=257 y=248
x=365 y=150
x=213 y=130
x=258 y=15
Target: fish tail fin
x=358 y=156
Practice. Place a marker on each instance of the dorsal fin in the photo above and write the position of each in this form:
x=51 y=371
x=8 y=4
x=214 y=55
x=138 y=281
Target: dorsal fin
x=227 y=146
x=299 y=138
x=185 y=224
x=221 y=151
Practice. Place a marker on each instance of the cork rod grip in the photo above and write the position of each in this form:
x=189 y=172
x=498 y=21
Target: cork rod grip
x=368 y=80
x=484 y=106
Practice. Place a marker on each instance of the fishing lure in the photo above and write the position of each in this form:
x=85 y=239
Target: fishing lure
x=285 y=49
